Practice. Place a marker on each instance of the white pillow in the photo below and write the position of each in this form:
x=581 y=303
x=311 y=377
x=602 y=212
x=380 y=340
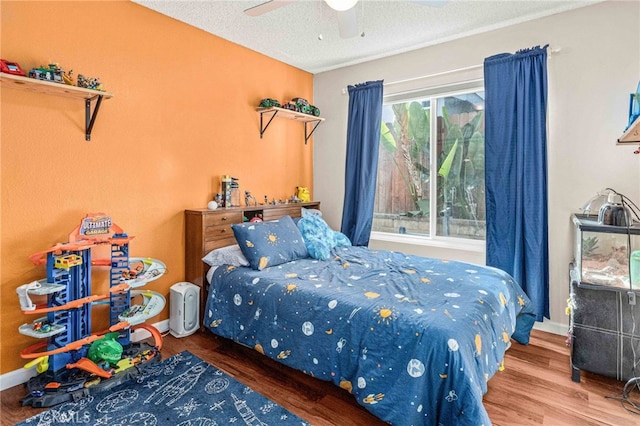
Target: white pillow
x=304 y=212
x=229 y=255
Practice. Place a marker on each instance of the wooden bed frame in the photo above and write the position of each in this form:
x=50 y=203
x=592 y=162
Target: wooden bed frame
x=206 y=230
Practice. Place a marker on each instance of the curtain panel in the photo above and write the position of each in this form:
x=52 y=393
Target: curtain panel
x=516 y=170
x=363 y=141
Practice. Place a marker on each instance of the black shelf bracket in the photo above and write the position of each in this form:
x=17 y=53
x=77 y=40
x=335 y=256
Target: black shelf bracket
x=308 y=135
x=90 y=117
x=263 y=128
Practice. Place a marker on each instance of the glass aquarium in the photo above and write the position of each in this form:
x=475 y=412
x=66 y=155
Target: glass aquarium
x=602 y=253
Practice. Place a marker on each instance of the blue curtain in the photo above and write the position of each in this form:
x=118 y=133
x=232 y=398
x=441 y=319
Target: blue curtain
x=363 y=140
x=516 y=170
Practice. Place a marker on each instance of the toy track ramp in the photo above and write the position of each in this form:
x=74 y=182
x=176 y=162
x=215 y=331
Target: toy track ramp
x=76 y=383
x=91 y=367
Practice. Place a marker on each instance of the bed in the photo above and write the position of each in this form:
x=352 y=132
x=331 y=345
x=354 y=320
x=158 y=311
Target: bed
x=414 y=339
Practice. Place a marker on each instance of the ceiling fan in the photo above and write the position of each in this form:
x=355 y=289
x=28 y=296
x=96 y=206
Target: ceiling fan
x=345 y=12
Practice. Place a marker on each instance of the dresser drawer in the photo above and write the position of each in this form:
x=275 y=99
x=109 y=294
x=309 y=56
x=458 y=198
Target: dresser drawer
x=218 y=232
x=222 y=217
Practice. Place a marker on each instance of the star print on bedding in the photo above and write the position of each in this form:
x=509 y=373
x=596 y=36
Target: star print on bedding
x=414 y=339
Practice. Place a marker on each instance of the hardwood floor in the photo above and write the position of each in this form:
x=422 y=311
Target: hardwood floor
x=534 y=389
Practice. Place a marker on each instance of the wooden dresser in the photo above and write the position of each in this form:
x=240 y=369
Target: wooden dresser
x=206 y=230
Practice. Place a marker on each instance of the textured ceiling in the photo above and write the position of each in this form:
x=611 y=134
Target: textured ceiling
x=291 y=33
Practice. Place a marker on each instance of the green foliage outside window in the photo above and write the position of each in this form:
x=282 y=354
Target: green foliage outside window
x=459 y=163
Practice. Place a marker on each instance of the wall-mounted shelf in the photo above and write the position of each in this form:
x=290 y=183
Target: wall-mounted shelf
x=50 y=88
x=306 y=119
x=632 y=134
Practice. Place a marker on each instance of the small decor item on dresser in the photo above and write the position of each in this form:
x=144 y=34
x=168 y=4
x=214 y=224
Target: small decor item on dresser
x=248 y=198
x=9 y=67
x=230 y=191
x=303 y=194
x=212 y=205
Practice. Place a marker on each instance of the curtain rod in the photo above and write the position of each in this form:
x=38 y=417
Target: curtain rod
x=436 y=74
x=552 y=51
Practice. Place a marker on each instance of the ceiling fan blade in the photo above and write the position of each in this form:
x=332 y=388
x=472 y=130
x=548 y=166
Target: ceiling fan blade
x=267 y=6
x=348 y=23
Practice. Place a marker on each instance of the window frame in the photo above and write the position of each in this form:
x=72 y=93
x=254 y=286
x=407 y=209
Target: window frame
x=433 y=240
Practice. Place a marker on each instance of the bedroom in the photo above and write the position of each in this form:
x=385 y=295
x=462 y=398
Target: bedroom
x=145 y=173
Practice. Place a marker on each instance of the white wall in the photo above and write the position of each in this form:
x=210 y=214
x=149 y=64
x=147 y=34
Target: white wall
x=589 y=84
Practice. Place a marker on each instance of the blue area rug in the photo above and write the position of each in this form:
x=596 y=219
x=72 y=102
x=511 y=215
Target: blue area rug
x=182 y=390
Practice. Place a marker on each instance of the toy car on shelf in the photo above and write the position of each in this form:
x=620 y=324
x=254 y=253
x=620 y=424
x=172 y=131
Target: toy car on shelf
x=303 y=106
x=290 y=106
x=9 y=67
x=52 y=72
x=268 y=103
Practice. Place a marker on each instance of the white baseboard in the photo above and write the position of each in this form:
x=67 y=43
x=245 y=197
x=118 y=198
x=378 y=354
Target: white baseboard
x=552 y=327
x=137 y=335
x=18 y=377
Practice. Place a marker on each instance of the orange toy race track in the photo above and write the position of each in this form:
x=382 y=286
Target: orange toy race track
x=39 y=258
x=67 y=287
x=29 y=352
x=74 y=304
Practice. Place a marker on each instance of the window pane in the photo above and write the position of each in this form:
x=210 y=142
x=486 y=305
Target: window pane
x=461 y=202
x=404 y=202
x=402 y=194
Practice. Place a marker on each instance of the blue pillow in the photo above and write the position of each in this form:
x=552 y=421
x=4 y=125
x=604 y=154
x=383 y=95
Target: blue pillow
x=319 y=238
x=266 y=244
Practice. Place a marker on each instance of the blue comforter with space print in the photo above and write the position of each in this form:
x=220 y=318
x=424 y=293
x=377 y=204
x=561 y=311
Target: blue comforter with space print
x=414 y=339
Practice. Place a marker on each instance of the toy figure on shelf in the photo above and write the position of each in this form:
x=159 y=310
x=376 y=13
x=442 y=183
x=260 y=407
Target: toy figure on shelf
x=52 y=72
x=89 y=83
x=67 y=77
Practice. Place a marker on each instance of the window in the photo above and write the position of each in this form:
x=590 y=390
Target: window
x=429 y=189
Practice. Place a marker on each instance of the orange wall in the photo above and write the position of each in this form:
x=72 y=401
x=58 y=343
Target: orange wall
x=182 y=115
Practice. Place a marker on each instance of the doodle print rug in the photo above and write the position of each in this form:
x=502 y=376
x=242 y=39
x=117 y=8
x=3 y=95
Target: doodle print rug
x=182 y=390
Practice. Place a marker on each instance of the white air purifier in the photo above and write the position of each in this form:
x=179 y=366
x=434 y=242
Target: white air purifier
x=185 y=309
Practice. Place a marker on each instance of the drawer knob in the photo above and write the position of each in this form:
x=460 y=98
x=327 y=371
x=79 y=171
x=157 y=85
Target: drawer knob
x=224 y=218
